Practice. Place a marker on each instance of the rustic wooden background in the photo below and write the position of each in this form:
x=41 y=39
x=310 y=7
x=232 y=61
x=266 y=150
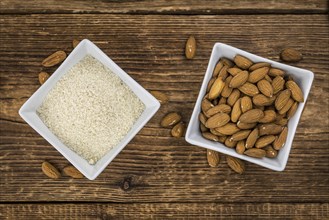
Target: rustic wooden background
x=164 y=177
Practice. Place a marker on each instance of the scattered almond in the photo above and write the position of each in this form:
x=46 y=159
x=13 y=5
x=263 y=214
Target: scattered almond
x=178 y=130
x=213 y=158
x=190 y=48
x=49 y=170
x=54 y=59
x=73 y=172
x=170 y=119
x=75 y=43
x=290 y=55
x=160 y=96
x=43 y=76
x=235 y=164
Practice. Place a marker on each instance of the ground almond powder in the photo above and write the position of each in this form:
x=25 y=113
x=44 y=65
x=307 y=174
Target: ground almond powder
x=90 y=109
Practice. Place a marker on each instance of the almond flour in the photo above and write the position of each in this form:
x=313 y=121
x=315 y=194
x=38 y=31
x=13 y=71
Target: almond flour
x=90 y=109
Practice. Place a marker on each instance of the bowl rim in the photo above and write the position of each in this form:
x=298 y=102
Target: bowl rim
x=190 y=136
x=86 y=47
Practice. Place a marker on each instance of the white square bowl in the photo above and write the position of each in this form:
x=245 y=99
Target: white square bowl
x=29 y=114
x=303 y=77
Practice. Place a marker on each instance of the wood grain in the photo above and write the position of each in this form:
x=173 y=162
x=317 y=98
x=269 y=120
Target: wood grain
x=155 y=167
x=165 y=7
x=166 y=211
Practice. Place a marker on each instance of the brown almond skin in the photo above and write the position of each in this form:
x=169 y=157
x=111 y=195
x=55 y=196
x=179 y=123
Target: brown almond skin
x=160 y=96
x=254 y=152
x=252 y=138
x=54 y=59
x=234 y=71
x=276 y=72
x=218 y=120
x=222 y=100
x=240 y=147
x=264 y=141
x=216 y=88
x=221 y=108
x=178 y=130
x=211 y=81
x=270 y=152
x=251 y=116
x=286 y=107
x=278 y=84
x=73 y=172
x=170 y=119
x=269 y=116
x=202 y=118
x=235 y=164
x=249 y=89
x=265 y=87
x=190 y=48
x=228 y=129
x=240 y=135
x=290 y=55
x=43 y=76
x=292 y=110
x=206 y=105
x=296 y=92
x=227 y=62
x=203 y=128
x=223 y=73
x=234 y=96
x=282 y=99
x=210 y=136
x=246 y=125
x=239 y=79
x=246 y=104
x=236 y=111
x=75 y=43
x=230 y=143
x=262 y=100
x=242 y=62
x=281 y=139
x=269 y=129
x=258 y=74
x=218 y=67
x=268 y=78
x=259 y=65
x=49 y=170
x=213 y=158
x=227 y=90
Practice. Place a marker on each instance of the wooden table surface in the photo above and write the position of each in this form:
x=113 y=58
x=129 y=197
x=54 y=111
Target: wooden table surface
x=164 y=177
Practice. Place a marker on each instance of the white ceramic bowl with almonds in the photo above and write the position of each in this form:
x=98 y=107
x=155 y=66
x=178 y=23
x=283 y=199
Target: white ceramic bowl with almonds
x=230 y=122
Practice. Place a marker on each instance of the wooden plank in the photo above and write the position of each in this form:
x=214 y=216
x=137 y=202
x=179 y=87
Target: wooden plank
x=166 y=211
x=156 y=167
x=165 y=7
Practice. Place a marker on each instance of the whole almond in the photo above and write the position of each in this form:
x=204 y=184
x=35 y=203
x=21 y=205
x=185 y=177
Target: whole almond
x=230 y=143
x=43 y=76
x=235 y=164
x=259 y=65
x=178 y=130
x=72 y=172
x=210 y=136
x=54 y=59
x=170 y=119
x=49 y=170
x=206 y=105
x=251 y=116
x=160 y=96
x=235 y=95
x=213 y=158
x=227 y=90
x=236 y=111
x=258 y=74
x=75 y=43
x=249 y=89
x=286 y=107
x=296 y=92
x=281 y=139
x=276 y=72
x=228 y=129
x=190 y=48
x=282 y=99
x=223 y=72
x=292 y=110
x=246 y=104
x=255 y=152
x=278 y=84
x=269 y=116
x=239 y=79
x=202 y=118
x=265 y=87
x=246 y=125
x=242 y=62
x=262 y=100
x=226 y=62
x=223 y=108
x=218 y=67
x=234 y=71
x=213 y=131
x=211 y=81
x=264 y=141
x=240 y=135
x=290 y=55
x=252 y=138
x=218 y=120
x=269 y=129
x=270 y=152
x=216 y=88
x=240 y=147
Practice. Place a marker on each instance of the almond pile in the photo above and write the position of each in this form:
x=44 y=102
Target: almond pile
x=247 y=107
